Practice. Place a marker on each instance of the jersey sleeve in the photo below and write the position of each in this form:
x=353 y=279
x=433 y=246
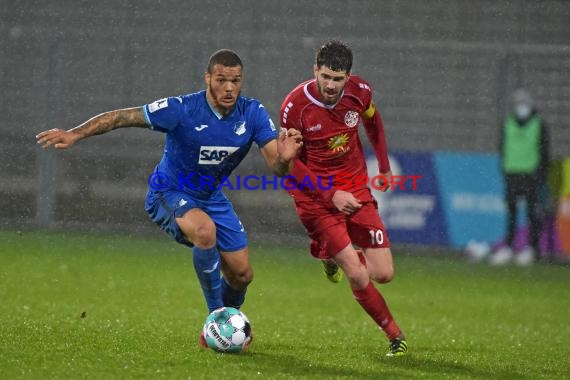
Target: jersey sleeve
x=265 y=130
x=364 y=93
x=289 y=116
x=374 y=126
x=164 y=114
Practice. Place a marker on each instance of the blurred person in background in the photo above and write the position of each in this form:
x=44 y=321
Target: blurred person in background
x=328 y=110
x=208 y=133
x=524 y=155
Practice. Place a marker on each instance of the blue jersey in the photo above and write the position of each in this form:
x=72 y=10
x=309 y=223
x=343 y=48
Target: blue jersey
x=203 y=148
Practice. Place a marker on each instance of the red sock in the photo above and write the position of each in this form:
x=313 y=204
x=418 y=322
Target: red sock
x=374 y=304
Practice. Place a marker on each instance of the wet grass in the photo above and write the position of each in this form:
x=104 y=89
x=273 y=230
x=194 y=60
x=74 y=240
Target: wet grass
x=96 y=306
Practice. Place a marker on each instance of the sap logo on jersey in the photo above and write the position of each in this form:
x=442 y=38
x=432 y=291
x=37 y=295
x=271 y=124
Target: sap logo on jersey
x=214 y=155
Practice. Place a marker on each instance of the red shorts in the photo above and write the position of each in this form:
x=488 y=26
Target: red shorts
x=331 y=231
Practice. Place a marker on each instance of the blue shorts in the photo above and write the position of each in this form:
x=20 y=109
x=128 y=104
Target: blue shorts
x=165 y=206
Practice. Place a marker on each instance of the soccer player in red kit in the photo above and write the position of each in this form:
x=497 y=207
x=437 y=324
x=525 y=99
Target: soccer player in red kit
x=330 y=192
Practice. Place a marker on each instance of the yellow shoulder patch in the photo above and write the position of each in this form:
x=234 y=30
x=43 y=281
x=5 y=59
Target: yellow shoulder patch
x=370 y=111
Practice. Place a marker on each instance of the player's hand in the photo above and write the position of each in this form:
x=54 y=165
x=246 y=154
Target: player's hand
x=345 y=202
x=58 y=138
x=385 y=181
x=289 y=143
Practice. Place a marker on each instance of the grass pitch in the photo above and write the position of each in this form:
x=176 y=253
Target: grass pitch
x=105 y=307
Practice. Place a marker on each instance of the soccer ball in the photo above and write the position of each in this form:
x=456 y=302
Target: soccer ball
x=227 y=330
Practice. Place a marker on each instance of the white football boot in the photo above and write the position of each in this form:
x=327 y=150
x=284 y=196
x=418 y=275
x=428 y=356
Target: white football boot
x=525 y=257
x=501 y=257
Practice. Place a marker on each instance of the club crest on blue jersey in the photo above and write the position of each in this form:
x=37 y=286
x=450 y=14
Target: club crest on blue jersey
x=239 y=128
x=214 y=155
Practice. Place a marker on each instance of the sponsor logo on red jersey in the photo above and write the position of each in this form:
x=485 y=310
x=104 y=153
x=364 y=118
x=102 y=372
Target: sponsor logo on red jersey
x=339 y=143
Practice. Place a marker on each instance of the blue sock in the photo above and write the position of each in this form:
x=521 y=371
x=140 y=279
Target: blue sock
x=232 y=297
x=207 y=266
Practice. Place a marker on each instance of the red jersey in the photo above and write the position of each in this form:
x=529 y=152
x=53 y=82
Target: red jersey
x=331 y=146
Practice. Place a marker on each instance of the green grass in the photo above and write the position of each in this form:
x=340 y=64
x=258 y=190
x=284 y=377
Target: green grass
x=143 y=310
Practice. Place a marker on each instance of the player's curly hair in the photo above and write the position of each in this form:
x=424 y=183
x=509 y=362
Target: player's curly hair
x=224 y=57
x=335 y=55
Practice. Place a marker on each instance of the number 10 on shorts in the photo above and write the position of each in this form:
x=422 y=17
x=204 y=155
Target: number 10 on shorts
x=376 y=237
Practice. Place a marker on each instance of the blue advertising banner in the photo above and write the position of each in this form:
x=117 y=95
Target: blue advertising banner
x=452 y=198
x=471 y=189
x=412 y=210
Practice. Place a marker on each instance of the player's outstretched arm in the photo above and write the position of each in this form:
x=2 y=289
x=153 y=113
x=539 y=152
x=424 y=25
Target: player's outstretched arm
x=97 y=125
x=374 y=127
x=279 y=154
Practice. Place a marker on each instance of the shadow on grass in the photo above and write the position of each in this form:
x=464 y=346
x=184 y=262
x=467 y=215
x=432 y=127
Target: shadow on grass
x=438 y=367
x=282 y=365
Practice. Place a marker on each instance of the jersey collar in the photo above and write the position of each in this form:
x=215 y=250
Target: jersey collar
x=216 y=113
x=312 y=87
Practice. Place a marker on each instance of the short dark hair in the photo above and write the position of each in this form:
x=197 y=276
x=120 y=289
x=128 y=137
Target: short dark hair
x=335 y=55
x=224 y=57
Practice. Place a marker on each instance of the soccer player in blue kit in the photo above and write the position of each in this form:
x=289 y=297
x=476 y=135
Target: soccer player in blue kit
x=208 y=133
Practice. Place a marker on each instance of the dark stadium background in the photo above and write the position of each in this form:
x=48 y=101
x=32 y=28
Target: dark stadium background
x=442 y=72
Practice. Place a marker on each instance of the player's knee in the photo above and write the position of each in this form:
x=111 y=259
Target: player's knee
x=246 y=278
x=383 y=275
x=240 y=279
x=203 y=234
x=357 y=276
